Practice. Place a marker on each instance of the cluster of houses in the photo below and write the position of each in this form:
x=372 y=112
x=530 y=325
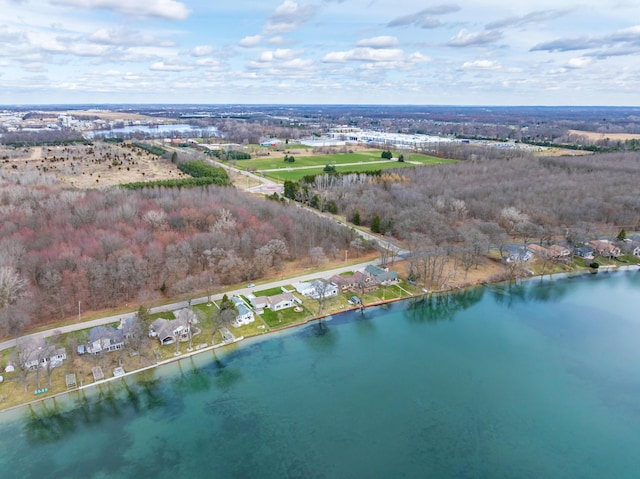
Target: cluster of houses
x=104 y=339
x=589 y=250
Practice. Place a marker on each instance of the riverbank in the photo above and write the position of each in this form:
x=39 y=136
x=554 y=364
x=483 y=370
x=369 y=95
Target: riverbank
x=481 y=277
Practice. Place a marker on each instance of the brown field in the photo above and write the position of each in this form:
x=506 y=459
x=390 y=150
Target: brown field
x=595 y=136
x=80 y=166
x=555 y=151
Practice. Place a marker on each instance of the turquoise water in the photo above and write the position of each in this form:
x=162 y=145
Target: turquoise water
x=538 y=380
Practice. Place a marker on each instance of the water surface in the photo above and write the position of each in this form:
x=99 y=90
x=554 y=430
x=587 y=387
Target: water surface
x=538 y=380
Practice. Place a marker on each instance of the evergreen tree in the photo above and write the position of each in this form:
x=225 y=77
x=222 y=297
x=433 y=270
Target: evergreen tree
x=375 y=224
x=356 y=219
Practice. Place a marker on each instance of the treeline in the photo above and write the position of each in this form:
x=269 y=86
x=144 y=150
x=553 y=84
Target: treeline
x=114 y=247
x=172 y=183
x=200 y=169
x=155 y=150
x=601 y=146
x=21 y=139
x=229 y=155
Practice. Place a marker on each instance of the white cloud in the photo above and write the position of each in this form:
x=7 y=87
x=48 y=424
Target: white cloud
x=579 y=62
x=250 y=41
x=122 y=36
x=465 y=38
x=170 y=66
x=210 y=64
x=385 y=41
x=170 y=9
x=201 y=51
x=72 y=46
x=481 y=65
x=365 y=54
x=277 y=40
x=278 y=55
x=288 y=17
x=418 y=57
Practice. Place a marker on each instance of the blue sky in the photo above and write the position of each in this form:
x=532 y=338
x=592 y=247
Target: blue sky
x=467 y=52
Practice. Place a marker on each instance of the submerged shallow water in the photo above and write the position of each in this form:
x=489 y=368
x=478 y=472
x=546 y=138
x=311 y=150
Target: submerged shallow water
x=536 y=380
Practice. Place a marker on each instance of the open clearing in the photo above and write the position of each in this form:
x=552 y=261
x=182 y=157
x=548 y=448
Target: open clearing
x=85 y=166
x=595 y=136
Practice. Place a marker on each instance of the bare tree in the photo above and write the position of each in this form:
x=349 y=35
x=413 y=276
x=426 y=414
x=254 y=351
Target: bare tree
x=26 y=351
x=317 y=256
x=12 y=285
x=14 y=318
x=322 y=288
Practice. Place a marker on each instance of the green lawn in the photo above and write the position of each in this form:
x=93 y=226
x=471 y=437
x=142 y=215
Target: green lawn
x=272 y=291
x=367 y=156
x=295 y=175
x=284 y=317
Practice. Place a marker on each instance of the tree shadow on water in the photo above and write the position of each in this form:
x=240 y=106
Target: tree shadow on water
x=434 y=308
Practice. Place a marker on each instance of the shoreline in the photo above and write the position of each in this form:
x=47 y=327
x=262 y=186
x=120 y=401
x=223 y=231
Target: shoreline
x=549 y=277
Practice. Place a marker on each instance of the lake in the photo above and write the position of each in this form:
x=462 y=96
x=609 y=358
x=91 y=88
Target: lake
x=535 y=380
x=156 y=131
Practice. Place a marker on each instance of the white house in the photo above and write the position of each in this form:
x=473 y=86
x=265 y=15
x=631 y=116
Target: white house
x=312 y=289
x=41 y=358
x=245 y=315
x=305 y=288
x=281 y=301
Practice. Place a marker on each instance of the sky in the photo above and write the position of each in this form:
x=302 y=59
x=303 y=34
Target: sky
x=466 y=52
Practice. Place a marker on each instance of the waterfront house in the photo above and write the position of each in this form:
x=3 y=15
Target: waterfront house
x=245 y=315
x=42 y=356
x=584 y=251
x=258 y=303
x=305 y=288
x=282 y=301
x=168 y=331
x=605 y=248
x=557 y=251
x=517 y=254
x=104 y=339
x=344 y=283
x=630 y=247
x=54 y=359
x=539 y=250
x=381 y=276
x=314 y=288
x=363 y=282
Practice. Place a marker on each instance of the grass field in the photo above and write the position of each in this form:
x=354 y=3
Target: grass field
x=357 y=162
x=335 y=159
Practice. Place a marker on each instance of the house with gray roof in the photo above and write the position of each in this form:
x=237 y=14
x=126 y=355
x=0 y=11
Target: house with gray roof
x=245 y=315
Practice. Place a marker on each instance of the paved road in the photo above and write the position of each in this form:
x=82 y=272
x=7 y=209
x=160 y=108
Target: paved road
x=183 y=304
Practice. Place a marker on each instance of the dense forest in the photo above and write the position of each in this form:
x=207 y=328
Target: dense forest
x=527 y=197
x=106 y=248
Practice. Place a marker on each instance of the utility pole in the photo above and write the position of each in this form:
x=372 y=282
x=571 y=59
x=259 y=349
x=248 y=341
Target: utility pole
x=79 y=311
